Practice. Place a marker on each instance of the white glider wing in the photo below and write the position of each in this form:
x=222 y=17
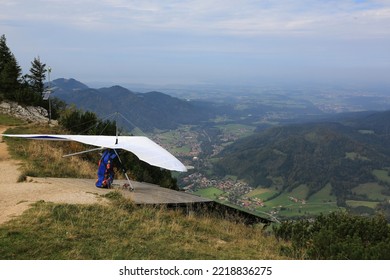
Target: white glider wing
x=144 y=148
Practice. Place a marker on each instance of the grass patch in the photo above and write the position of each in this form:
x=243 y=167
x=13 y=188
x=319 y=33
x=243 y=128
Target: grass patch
x=382 y=175
x=236 y=130
x=44 y=158
x=294 y=203
x=371 y=190
x=357 y=203
x=121 y=231
x=262 y=193
x=300 y=192
x=355 y=156
x=211 y=193
x=323 y=195
x=287 y=204
x=9 y=120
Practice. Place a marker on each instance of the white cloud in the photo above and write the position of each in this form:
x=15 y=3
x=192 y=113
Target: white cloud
x=174 y=33
x=208 y=16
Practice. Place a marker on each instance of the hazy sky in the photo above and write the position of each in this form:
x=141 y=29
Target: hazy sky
x=202 y=41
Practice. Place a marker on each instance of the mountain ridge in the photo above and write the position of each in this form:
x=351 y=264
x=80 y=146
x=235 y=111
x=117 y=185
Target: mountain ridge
x=147 y=111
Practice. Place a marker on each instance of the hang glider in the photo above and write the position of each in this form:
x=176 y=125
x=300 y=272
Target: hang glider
x=144 y=148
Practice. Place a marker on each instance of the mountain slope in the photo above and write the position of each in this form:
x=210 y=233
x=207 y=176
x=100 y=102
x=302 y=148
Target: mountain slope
x=313 y=154
x=63 y=84
x=147 y=111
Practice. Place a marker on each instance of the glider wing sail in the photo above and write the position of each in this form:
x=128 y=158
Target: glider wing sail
x=144 y=148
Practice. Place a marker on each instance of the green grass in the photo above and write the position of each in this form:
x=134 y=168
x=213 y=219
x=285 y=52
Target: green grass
x=45 y=158
x=371 y=190
x=286 y=206
x=173 y=139
x=382 y=175
x=238 y=130
x=355 y=156
x=295 y=203
x=323 y=196
x=122 y=230
x=356 y=203
x=300 y=192
x=262 y=193
x=10 y=121
x=211 y=193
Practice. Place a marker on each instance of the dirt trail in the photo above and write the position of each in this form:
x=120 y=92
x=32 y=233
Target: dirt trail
x=15 y=197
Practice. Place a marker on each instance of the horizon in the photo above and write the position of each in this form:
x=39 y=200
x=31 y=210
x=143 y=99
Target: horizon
x=204 y=42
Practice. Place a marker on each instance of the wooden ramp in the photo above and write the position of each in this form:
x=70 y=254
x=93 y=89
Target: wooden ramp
x=144 y=193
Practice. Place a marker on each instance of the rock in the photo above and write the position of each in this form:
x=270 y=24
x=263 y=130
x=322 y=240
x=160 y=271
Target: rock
x=27 y=113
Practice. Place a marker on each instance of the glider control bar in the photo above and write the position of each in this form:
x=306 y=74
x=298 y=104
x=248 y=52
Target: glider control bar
x=83 y=152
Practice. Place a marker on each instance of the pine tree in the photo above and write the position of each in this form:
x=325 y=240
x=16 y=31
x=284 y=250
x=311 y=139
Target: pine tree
x=10 y=71
x=5 y=53
x=37 y=76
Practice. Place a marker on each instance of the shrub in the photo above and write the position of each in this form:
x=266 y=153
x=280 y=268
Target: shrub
x=337 y=236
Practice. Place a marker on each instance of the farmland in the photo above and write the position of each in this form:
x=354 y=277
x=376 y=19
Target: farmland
x=272 y=202
x=296 y=203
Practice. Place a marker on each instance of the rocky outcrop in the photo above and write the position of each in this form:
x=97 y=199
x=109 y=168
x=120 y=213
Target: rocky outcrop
x=26 y=113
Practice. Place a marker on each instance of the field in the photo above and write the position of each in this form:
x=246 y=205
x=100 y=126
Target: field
x=373 y=191
x=294 y=203
x=211 y=193
x=236 y=130
x=262 y=193
x=357 y=203
x=266 y=201
x=382 y=175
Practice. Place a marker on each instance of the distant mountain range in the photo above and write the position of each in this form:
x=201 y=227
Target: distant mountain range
x=157 y=110
x=346 y=154
x=147 y=111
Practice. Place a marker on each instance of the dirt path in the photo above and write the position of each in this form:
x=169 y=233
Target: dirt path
x=15 y=197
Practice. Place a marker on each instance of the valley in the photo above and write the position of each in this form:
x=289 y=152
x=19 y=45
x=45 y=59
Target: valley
x=276 y=199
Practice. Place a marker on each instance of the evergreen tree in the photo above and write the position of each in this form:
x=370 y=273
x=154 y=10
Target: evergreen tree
x=37 y=76
x=5 y=53
x=10 y=71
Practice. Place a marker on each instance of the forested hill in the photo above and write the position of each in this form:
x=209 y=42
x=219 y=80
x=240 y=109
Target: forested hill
x=344 y=154
x=146 y=111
